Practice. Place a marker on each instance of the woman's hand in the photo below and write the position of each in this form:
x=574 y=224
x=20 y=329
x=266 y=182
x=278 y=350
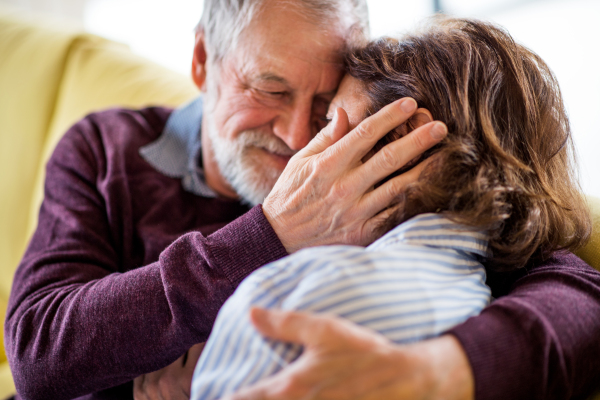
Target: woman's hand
x=344 y=361
x=170 y=383
x=325 y=194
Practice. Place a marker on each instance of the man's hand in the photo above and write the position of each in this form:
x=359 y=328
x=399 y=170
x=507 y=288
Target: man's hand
x=173 y=382
x=344 y=361
x=326 y=193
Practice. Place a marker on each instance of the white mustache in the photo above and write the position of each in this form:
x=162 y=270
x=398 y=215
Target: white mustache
x=266 y=141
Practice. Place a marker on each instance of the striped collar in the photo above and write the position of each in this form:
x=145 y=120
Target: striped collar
x=435 y=231
x=177 y=152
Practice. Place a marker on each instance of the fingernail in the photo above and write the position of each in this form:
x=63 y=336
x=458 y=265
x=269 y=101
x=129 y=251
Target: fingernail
x=408 y=105
x=439 y=131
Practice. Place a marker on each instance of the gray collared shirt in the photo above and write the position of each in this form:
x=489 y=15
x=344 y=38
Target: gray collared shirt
x=177 y=152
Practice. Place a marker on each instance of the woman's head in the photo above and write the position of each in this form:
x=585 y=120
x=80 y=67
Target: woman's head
x=507 y=164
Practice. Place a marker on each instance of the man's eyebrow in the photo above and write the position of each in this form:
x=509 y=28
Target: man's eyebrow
x=272 y=78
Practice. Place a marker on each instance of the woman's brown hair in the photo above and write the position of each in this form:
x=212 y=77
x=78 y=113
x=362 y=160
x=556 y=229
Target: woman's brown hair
x=507 y=164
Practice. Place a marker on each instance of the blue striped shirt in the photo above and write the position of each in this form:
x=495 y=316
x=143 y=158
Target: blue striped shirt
x=417 y=281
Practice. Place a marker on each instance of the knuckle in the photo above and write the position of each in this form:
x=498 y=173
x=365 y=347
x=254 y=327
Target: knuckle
x=287 y=320
x=389 y=116
x=365 y=130
x=321 y=137
x=164 y=386
x=340 y=190
x=387 y=160
x=419 y=139
x=327 y=328
x=393 y=190
x=321 y=161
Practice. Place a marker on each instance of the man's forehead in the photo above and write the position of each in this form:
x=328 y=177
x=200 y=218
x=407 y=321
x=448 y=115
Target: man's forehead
x=277 y=29
x=321 y=76
x=293 y=69
x=313 y=47
x=283 y=47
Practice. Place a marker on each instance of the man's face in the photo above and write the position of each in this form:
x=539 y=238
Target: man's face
x=267 y=100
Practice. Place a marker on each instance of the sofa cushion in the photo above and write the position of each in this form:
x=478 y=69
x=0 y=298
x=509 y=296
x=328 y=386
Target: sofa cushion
x=591 y=252
x=51 y=75
x=34 y=54
x=101 y=74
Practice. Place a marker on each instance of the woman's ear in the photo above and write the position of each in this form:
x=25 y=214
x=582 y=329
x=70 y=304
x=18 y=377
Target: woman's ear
x=421 y=117
x=199 y=61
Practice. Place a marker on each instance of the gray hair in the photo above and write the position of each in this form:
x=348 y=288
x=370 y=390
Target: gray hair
x=224 y=20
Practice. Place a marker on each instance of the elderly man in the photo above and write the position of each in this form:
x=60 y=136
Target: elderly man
x=146 y=229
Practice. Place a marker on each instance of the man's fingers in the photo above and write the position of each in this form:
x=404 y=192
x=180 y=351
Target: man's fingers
x=275 y=324
x=387 y=194
x=138 y=392
x=398 y=153
x=172 y=382
x=144 y=387
x=193 y=354
x=329 y=135
x=340 y=125
x=356 y=144
x=289 y=326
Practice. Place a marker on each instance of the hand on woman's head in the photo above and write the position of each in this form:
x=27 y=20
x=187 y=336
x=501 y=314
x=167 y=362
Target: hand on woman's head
x=421 y=117
x=352 y=96
x=506 y=167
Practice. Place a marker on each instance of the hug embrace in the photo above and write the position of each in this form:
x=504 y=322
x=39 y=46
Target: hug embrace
x=332 y=218
x=499 y=190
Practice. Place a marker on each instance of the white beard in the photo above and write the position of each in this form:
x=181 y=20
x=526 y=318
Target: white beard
x=240 y=162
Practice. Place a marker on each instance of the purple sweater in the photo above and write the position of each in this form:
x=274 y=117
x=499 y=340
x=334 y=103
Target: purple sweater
x=126 y=271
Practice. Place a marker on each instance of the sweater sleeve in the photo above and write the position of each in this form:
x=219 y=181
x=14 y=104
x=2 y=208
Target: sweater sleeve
x=78 y=322
x=541 y=340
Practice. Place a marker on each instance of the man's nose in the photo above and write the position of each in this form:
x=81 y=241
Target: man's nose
x=295 y=127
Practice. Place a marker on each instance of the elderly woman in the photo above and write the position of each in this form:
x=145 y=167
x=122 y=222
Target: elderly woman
x=499 y=190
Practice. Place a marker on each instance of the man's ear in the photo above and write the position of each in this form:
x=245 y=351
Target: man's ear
x=421 y=117
x=199 y=61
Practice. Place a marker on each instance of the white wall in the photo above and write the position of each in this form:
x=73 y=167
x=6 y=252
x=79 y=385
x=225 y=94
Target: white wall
x=564 y=32
x=72 y=9
x=162 y=30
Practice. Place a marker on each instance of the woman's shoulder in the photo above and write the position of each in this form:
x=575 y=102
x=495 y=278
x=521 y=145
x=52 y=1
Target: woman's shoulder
x=304 y=262
x=273 y=282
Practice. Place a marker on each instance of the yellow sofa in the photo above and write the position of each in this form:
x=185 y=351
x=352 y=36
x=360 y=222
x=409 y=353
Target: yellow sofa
x=51 y=76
